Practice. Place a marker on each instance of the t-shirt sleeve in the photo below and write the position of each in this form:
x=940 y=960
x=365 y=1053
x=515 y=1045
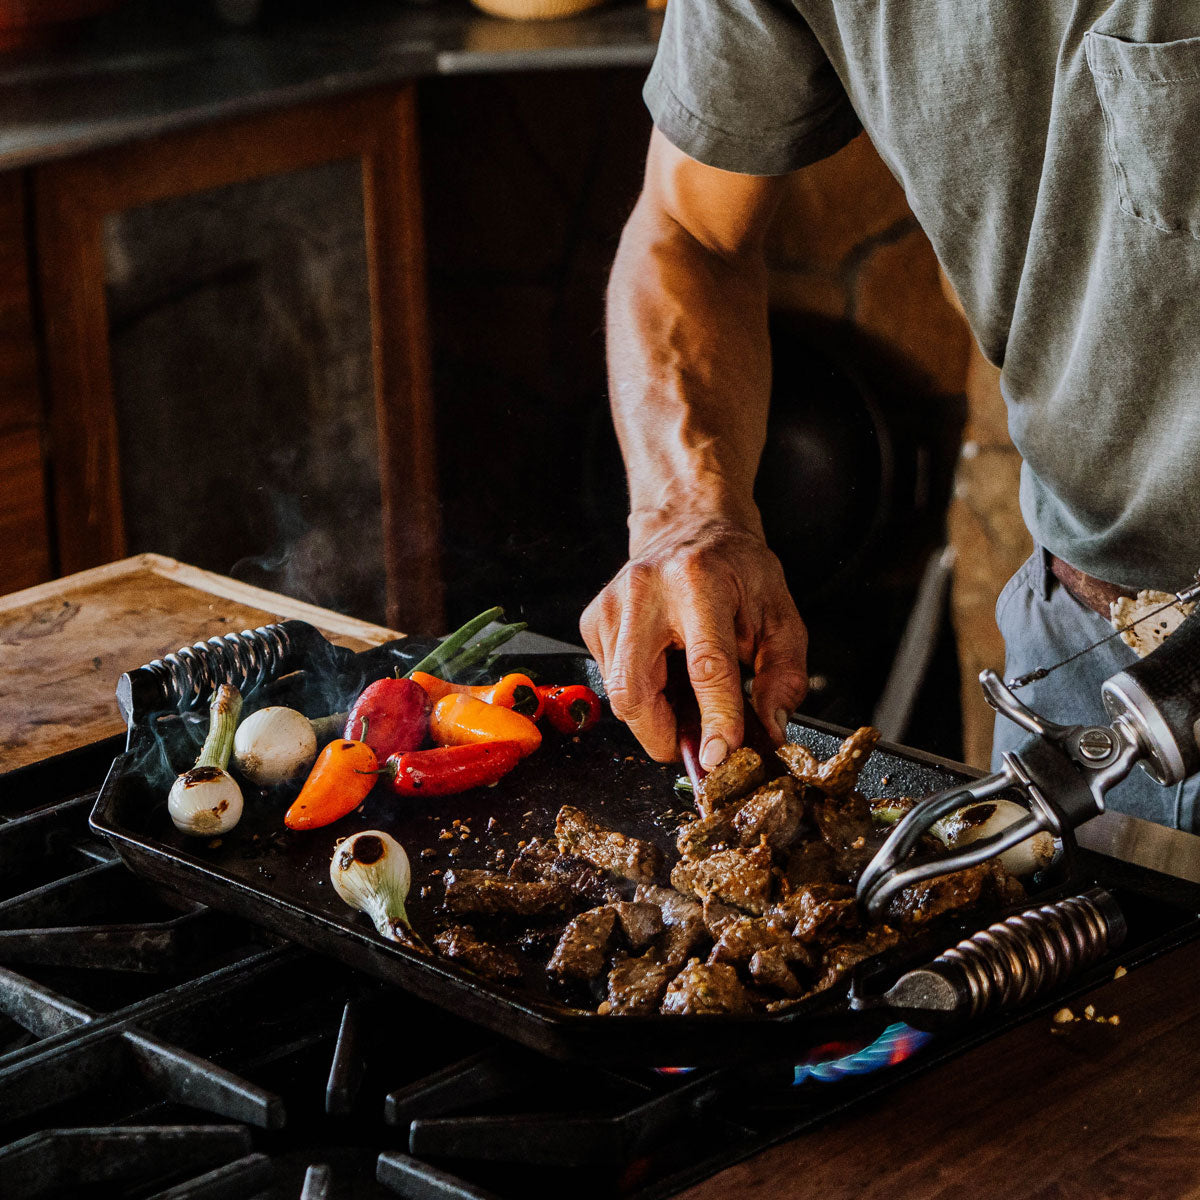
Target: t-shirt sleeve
x=743 y=85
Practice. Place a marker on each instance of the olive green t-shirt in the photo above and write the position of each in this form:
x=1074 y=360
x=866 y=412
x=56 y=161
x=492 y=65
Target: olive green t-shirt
x=1051 y=151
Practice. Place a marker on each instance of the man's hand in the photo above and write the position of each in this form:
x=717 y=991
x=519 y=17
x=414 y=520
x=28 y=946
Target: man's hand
x=714 y=590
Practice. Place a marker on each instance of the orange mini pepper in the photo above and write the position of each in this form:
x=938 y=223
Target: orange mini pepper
x=460 y=720
x=338 y=783
x=515 y=691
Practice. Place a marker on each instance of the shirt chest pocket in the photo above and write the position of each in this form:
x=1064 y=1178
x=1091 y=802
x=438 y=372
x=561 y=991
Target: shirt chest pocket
x=1150 y=95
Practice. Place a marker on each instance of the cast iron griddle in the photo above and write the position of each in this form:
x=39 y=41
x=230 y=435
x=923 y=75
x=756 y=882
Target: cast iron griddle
x=279 y=879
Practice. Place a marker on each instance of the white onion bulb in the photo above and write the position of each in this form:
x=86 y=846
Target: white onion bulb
x=274 y=746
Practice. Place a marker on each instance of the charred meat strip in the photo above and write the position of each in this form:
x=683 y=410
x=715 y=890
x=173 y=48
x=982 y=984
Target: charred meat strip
x=770 y=968
x=624 y=856
x=684 y=921
x=740 y=940
x=817 y=912
x=540 y=860
x=844 y=956
x=718 y=914
x=838 y=774
x=739 y=877
x=705 y=988
x=583 y=948
x=844 y=823
x=641 y=922
x=739 y=774
x=636 y=985
x=491 y=895
x=699 y=838
x=951 y=893
x=773 y=813
x=460 y=944
x=810 y=863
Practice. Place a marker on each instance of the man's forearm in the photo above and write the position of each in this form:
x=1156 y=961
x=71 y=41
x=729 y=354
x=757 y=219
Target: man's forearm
x=689 y=373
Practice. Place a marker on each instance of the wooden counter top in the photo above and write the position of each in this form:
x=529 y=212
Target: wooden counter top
x=64 y=645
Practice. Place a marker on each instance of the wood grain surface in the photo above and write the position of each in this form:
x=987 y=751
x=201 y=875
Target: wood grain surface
x=63 y=645
x=1098 y=1112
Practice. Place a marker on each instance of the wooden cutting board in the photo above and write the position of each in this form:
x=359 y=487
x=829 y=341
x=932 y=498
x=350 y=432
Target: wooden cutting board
x=64 y=644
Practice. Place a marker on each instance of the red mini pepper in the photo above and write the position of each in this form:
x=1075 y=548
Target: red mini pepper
x=345 y=771
x=448 y=770
x=390 y=715
x=572 y=708
x=515 y=691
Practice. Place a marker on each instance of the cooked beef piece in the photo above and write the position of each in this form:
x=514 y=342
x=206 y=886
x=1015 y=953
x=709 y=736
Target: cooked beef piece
x=718 y=914
x=489 y=894
x=739 y=774
x=817 y=912
x=740 y=877
x=624 y=856
x=840 y=958
x=636 y=985
x=739 y=941
x=770 y=968
x=641 y=922
x=987 y=883
x=704 y=988
x=540 y=860
x=811 y=862
x=460 y=944
x=583 y=948
x=699 y=838
x=801 y=762
x=683 y=918
x=773 y=813
x=844 y=822
x=838 y=774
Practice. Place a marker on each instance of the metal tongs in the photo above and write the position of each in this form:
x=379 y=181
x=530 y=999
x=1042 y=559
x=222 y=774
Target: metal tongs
x=1063 y=772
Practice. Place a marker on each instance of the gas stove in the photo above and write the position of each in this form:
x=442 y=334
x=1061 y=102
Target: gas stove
x=150 y=1047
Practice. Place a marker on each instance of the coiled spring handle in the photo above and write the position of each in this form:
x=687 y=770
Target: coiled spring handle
x=1009 y=963
x=186 y=679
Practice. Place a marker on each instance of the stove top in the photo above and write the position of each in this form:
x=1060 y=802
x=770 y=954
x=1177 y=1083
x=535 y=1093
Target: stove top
x=159 y=1049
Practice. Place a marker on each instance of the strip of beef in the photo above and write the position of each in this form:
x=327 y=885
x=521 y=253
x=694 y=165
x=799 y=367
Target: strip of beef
x=844 y=823
x=718 y=914
x=740 y=940
x=460 y=944
x=683 y=918
x=838 y=774
x=704 y=988
x=583 y=948
x=637 y=985
x=492 y=895
x=622 y=855
x=737 y=776
x=739 y=877
x=811 y=862
x=818 y=912
x=771 y=968
x=641 y=922
x=988 y=882
x=699 y=838
x=540 y=860
x=844 y=956
x=773 y=813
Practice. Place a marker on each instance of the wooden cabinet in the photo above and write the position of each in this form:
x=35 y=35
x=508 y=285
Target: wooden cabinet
x=69 y=516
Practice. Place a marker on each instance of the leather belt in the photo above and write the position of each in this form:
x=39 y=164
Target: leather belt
x=1096 y=594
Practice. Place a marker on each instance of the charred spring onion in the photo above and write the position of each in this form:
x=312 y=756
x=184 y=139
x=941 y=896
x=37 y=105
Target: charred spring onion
x=370 y=872
x=206 y=800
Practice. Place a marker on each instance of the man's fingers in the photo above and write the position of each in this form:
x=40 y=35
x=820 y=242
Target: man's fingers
x=712 y=662
x=780 y=670
x=637 y=675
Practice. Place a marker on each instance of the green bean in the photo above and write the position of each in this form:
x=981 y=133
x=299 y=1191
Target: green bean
x=483 y=648
x=436 y=660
